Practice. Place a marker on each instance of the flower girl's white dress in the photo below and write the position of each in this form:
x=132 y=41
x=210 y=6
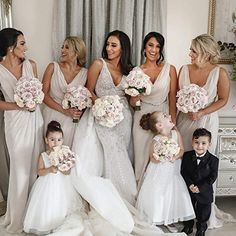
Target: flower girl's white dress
x=51 y=199
x=163 y=197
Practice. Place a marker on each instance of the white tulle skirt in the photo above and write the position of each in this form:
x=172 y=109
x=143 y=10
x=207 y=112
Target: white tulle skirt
x=163 y=197
x=52 y=198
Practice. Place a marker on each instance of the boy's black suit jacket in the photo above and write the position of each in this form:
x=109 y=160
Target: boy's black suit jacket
x=202 y=175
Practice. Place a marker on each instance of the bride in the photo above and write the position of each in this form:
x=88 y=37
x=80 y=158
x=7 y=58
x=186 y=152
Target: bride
x=106 y=76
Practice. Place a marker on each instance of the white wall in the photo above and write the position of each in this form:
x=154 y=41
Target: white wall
x=34 y=19
x=185 y=20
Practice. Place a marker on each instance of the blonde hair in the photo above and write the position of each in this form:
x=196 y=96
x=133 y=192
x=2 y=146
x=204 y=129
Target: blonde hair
x=206 y=45
x=79 y=47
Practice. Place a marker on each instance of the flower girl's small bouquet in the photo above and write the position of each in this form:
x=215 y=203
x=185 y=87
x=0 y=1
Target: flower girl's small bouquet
x=137 y=82
x=191 y=98
x=165 y=149
x=28 y=93
x=77 y=97
x=107 y=111
x=62 y=157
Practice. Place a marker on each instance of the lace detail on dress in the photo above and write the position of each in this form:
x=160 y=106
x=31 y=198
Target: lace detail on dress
x=116 y=141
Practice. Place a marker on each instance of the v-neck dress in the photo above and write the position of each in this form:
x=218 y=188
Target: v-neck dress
x=116 y=142
x=210 y=121
x=58 y=87
x=24 y=138
x=156 y=101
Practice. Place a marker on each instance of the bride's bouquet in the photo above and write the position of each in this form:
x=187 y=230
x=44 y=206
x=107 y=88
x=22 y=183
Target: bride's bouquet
x=62 y=157
x=77 y=97
x=165 y=149
x=191 y=98
x=107 y=111
x=28 y=93
x=137 y=82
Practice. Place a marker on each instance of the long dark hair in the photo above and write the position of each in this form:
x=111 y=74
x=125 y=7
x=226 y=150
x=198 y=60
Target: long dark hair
x=160 y=39
x=125 y=59
x=53 y=126
x=8 y=38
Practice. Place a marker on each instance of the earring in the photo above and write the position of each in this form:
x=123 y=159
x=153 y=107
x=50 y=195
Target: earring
x=11 y=50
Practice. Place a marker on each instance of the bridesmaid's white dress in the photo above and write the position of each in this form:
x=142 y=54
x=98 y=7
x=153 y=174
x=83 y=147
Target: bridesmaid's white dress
x=210 y=121
x=156 y=101
x=58 y=88
x=24 y=138
x=115 y=143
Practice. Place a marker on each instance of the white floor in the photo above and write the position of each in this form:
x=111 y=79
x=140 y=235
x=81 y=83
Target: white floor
x=227 y=204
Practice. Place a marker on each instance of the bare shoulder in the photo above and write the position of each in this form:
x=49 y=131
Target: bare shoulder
x=223 y=72
x=223 y=75
x=97 y=63
x=50 y=66
x=172 y=67
x=33 y=63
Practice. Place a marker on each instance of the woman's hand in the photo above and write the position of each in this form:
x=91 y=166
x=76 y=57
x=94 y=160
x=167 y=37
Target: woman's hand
x=195 y=115
x=65 y=172
x=73 y=113
x=134 y=100
x=53 y=169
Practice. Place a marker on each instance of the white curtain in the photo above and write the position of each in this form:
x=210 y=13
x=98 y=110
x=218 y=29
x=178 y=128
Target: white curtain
x=92 y=20
x=5 y=14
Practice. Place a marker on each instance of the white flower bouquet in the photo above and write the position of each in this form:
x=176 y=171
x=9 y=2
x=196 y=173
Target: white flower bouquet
x=191 y=98
x=28 y=93
x=165 y=149
x=107 y=111
x=77 y=97
x=137 y=82
x=62 y=157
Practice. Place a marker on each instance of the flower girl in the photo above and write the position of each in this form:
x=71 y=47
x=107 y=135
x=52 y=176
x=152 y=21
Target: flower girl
x=163 y=197
x=52 y=197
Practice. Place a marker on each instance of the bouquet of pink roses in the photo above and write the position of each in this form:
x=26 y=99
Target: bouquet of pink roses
x=107 y=111
x=77 y=97
x=137 y=82
x=164 y=148
x=191 y=98
x=62 y=157
x=28 y=93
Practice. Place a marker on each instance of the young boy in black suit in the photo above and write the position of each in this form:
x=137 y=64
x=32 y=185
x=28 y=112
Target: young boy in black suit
x=199 y=169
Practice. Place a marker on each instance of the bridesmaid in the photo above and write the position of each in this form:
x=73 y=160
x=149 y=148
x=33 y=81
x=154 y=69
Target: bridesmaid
x=4 y=157
x=204 y=72
x=162 y=98
x=23 y=129
x=69 y=72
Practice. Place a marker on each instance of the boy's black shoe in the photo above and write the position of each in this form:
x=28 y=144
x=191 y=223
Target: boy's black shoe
x=200 y=233
x=187 y=230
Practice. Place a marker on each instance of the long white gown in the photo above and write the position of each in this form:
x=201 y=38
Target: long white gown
x=156 y=101
x=162 y=191
x=24 y=138
x=115 y=142
x=58 y=88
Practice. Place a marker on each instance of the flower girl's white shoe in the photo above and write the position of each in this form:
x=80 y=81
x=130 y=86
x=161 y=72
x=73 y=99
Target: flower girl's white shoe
x=172 y=228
